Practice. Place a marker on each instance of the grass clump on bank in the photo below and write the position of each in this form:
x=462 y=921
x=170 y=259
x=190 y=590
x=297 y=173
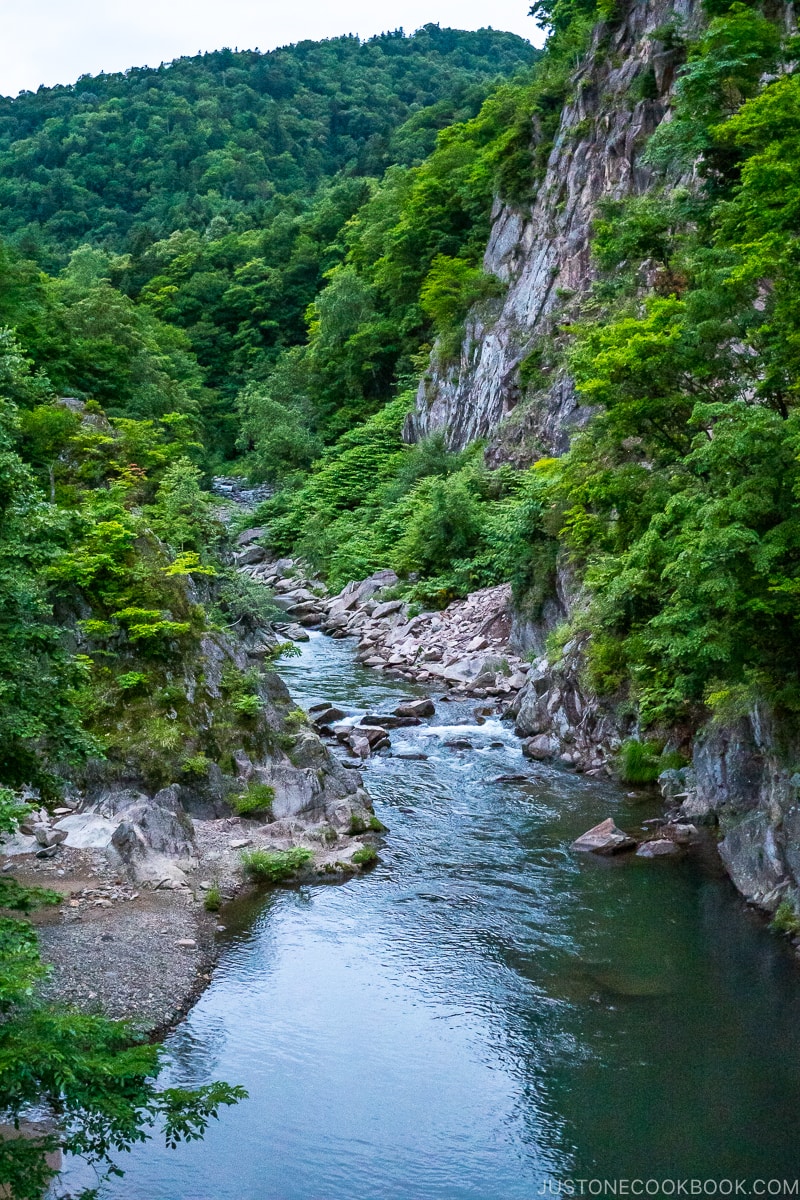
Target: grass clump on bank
x=365 y=857
x=642 y=762
x=257 y=798
x=786 y=919
x=212 y=901
x=275 y=866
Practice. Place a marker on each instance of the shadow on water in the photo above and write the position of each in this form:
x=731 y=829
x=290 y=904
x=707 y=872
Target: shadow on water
x=484 y=1010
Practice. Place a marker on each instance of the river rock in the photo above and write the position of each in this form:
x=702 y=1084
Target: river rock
x=359 y=745
x=301 y=595
x=294 y=632
x=605 y=838
x=253 y=554
x=327 y=716
x=154 y=837
x=283 y=602
x=47 y=836
x=386 y=609
x=415 y=708
x=388 y=721
x=376 y=735
x=541 y=747
x=87 y=830
x=479 y=642
x=657 y=849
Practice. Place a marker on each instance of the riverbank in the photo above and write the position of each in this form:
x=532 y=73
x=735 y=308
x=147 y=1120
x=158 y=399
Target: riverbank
x=140 y=943
x=484 y=1009
x=144 y=952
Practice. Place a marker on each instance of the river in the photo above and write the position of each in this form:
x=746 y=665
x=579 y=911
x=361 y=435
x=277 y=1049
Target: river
x=484 y=1011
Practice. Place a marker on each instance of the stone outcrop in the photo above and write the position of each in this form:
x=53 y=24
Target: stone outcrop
x=605 y=838
x=745 y=776
x=296 y=592
x=542 y=252
x=465 y=647
x=745 y=779
x=559 y=718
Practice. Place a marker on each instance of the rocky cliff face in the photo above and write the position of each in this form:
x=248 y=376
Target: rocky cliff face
x=542 y=253
x=743 y=776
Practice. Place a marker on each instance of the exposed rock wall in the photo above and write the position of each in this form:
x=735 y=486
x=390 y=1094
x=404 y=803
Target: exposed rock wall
x=745 y=777
x=542 y=253
x=559 y=718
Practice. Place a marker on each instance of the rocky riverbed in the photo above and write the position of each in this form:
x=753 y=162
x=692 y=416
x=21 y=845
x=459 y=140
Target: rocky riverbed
x=133 y=934
x=468 y=649
x=138 y=946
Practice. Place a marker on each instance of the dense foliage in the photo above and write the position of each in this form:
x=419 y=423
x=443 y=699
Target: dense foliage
x=244 y=256
x=129 y=158
x=215 y=188
x=166 y=232
x=681 y=499
x=678 y=504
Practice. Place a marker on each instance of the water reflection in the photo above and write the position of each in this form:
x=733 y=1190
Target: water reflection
x=484 y=1010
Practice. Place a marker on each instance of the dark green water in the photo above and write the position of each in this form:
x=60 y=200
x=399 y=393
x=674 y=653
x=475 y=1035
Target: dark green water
x=484 y=1011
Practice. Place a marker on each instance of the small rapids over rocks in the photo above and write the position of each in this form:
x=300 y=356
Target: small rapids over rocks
x=484 y=1013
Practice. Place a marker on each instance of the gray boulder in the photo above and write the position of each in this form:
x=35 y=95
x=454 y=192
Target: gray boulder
x=415 y=708
x=541 y=747
x=659 y=848
x=327 y=716
x=253 y=554
x=250 y=535
x=386 y=609
x=605 y=838
x=155 y=839
x=46 y=835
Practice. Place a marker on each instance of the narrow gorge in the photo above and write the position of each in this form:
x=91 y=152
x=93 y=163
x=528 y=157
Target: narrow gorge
x=399 y=576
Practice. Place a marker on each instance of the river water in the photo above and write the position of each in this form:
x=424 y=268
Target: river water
x=484 y=1014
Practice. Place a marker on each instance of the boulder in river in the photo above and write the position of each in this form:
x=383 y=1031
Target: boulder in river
x=388 y=721
x=416 y=708
x=327 y=716
x=376 y=735
x=294 y=631
x=359 y=745
x=605 y=838
x=658 y=848
x=541 y=747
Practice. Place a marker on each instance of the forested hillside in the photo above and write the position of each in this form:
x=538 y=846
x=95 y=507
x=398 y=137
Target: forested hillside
x=276 y=264
x=288 y=319
x=214 y=188
x=165 y=232
x=118 y=369
x=677 y=505
x=126 y=159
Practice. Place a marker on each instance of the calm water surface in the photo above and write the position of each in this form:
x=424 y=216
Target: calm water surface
x=484 y=1011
